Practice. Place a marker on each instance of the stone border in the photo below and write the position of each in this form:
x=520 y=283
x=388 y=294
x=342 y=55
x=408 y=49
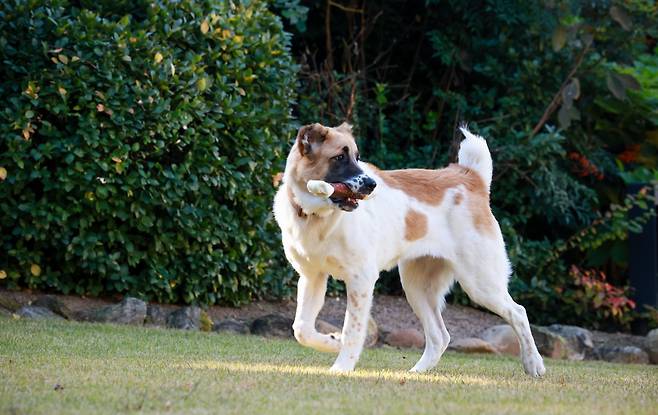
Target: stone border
x=555 y=341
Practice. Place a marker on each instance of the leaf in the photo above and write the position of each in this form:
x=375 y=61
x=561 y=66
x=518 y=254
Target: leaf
x=61 y=91
x=620 y=16
x=3 y=173
x=201 y=84
x=158 y=57
x=566 y=114
x=35 y=270
x=3 y=274
x=63 y=58
x=571 y=92
x=205 y=27
x=616 y=86
x=559 y=38
x=628 y=81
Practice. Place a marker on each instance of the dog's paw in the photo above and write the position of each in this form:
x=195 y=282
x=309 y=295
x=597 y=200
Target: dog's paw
x=534 y=366
x=337 y=368
x=421 y=368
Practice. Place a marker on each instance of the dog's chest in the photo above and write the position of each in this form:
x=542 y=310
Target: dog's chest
x=322 y=252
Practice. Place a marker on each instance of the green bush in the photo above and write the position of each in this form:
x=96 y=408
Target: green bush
x=138 y=142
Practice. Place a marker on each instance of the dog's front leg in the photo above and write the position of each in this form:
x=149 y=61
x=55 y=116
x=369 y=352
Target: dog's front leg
x=359 y=299
x=310 y=298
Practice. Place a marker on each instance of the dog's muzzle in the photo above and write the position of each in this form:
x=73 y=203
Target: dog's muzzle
x=361 y=186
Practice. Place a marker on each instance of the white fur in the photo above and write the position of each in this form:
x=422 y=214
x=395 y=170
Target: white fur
x=356 y=246
x=474 y=153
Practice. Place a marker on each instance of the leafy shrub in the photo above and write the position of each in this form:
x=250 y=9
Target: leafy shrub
x=138 y=141
x=564 y=91
x=596 y=300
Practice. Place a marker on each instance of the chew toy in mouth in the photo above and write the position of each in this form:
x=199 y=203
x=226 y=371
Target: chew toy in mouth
x=339 y=193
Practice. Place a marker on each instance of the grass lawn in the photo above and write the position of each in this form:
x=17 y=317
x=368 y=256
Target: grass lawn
x=65 y=367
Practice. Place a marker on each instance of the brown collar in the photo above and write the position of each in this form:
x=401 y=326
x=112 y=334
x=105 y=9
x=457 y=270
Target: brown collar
x=295 y=205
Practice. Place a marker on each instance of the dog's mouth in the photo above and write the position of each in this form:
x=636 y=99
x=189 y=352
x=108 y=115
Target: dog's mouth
x=345 y=198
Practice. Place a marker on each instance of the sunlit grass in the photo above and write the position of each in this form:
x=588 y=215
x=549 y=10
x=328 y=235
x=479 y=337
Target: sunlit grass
x=63 y=367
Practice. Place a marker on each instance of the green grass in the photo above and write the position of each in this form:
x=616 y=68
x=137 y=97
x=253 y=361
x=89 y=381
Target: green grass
x=120 y=369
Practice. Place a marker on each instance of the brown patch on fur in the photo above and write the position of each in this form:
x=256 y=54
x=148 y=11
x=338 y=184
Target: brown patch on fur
x=415 y=225
x=458 y=198
x=430 y=186
x=354 y=299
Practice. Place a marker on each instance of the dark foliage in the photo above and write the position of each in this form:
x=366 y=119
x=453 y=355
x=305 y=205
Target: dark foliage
x=564 y=92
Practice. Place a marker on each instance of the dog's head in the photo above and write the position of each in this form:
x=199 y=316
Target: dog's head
x=331 y=155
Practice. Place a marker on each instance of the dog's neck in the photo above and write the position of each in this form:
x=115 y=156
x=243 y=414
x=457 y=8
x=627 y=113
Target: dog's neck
x=295 y=205
x=304 y=203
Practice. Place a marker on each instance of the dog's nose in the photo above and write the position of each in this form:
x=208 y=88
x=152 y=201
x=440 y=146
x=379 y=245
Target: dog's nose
x=369 y=184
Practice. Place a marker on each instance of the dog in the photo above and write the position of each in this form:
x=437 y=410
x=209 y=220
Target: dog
x=435 y=225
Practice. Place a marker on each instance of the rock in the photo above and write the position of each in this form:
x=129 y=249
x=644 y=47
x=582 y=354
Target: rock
x=185 y=318
x=55 y=305
x=129 y=311
x=405 y=338
x=622 y=354
x=325 y=327
x=231 y=325
x=579 y=340
x=38 y=313
x=652 y=345
x=8 y=302
x=372 y=336
x=156 y=315
x=548 y=343
x=272 y=325
x=472 y=345
x=503 y=339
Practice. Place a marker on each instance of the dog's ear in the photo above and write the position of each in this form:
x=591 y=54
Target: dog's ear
x=345 y=127
x=309 y=137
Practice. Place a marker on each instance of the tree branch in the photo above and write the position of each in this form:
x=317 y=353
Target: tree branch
x=344 y=8
x=555 y=102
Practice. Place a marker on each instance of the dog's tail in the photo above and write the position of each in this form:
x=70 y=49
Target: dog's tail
x=474 y=154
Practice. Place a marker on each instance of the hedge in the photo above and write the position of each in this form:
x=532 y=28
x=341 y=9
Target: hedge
x=137 y=146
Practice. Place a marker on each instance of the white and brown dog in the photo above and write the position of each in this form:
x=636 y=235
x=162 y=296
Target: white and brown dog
x=436 y=225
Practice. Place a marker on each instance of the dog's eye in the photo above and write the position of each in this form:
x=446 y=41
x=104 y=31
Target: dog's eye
x=338 y=157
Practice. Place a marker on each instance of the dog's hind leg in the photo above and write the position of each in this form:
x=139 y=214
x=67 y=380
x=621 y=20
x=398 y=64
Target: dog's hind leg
x=310 y=299
x=425 y=281
x=485 y=282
